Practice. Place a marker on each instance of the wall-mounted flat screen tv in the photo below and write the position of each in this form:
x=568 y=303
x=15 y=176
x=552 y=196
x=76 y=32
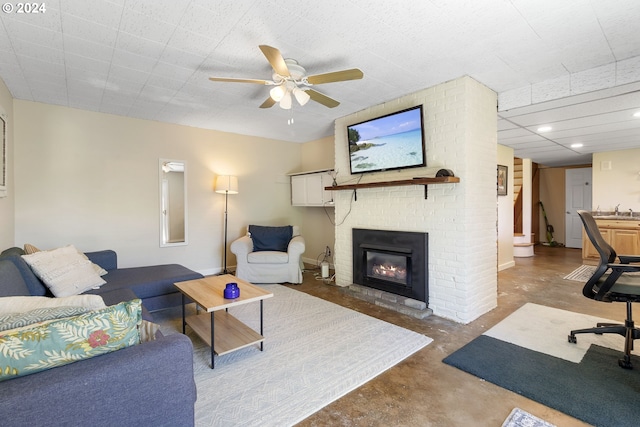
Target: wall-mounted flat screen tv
x=394 y=141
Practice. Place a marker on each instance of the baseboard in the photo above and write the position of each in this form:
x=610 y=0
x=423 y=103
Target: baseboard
x=216 y=271
x=313 y=262
x=210 y=271
x=506 y=265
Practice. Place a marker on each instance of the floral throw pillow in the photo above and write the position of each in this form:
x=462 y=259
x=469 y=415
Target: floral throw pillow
x=58 y=342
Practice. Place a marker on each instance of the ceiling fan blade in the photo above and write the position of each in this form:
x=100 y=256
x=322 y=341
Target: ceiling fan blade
x=336 y=76
x=268 y=103
x=322 y=99
x=275 y=59
x=234 y=80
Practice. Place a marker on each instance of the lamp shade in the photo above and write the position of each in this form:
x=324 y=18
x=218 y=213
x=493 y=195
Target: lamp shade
x=285 y=102
x=301 y=96
x=227 y=184
x=277 y=93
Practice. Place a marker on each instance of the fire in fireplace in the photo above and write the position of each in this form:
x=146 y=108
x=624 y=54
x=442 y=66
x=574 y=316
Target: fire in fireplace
x=387 y=267
x=392 y=261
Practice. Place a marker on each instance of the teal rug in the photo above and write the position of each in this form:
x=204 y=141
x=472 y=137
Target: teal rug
x=583 y=381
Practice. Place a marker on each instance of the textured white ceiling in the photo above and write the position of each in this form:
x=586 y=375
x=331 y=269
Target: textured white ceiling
x=596 y=121
x=151 y=59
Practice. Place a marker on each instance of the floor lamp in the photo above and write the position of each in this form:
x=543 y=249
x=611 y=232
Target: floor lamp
x=226 y=184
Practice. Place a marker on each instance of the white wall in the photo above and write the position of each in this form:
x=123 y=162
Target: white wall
x=91 y=179
x=461 y=135
x=505 y=212
x=317 y=222
x=7 y=203
x=616 y=180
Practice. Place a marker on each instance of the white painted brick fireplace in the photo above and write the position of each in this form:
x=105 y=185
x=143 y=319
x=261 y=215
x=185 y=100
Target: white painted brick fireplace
x=460 y=134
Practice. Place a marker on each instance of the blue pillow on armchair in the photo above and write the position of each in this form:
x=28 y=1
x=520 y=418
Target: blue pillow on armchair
x=270 y=238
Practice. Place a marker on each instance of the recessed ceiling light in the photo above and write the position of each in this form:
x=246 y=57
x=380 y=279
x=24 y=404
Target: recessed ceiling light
x=636 y=114
x=577 y=145
x=544 y=128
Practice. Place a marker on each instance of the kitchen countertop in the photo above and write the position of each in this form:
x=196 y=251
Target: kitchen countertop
x=624 y=216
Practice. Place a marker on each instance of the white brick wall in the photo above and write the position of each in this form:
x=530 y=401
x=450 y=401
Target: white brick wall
x=460 y=134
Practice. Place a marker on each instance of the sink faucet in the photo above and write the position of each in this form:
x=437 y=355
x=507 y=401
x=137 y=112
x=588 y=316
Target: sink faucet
x=617 y=211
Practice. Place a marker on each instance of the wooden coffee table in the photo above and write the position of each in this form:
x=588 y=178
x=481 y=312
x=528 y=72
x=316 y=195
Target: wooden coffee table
x=219 y=329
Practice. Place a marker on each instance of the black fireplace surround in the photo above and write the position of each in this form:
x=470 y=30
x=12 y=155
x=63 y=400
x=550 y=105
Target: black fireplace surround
x=392 y=261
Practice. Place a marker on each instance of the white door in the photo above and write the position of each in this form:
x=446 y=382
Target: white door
x=577 y=196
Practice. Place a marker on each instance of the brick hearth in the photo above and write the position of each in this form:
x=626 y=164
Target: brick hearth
x=404 y=305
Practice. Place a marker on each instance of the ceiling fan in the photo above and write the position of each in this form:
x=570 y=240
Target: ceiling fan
x=290 y=79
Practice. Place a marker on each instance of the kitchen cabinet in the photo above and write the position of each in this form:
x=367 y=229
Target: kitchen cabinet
x=308 y=188
x=623 y=235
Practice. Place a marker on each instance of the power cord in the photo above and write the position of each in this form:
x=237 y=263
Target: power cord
x=318 y=275
x=353 y=196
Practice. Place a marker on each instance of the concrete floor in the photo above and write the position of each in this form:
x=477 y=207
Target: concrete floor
x=423 y=391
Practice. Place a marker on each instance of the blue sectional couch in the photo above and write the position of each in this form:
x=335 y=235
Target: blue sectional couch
x=152 y=284
x=150 y=383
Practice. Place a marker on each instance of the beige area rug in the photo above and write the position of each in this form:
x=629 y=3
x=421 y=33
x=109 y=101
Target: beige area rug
x=314 y=353
x=545 y=330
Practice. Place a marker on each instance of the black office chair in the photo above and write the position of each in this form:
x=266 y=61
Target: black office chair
x=609 y=283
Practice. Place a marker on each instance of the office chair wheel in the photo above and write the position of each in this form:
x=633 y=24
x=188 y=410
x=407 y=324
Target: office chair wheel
x=572 y=339
x=625 y=363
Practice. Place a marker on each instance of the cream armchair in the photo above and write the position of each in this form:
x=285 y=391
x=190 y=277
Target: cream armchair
x=269 y=255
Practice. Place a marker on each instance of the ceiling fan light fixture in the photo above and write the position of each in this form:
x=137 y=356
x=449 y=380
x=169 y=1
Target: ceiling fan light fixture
x=301 y=96
x=285 y=102
x=277 y=93
x=290 y=79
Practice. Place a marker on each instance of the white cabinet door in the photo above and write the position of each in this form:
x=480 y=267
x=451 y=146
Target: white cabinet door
x=298 y=190
x=314 y=190
x=308 y=189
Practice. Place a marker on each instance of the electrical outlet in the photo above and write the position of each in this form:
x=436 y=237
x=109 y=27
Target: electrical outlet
x=327 y=251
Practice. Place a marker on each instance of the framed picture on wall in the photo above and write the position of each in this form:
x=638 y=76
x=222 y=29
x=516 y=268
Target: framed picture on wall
x=503 y=175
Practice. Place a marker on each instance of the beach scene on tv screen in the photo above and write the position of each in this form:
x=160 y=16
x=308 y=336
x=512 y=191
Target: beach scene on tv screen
x=390 y=142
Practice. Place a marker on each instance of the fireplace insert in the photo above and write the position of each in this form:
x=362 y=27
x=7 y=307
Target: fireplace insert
x=392 y=261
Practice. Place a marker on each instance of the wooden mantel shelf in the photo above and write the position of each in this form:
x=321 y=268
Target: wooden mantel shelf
x=414 y=181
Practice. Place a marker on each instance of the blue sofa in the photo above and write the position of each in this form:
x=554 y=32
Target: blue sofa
x=152 y=284
x=150 y=383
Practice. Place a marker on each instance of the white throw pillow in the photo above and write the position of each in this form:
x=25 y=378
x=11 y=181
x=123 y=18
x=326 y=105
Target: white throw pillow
x=10 y=305
x=30 y=249
x=64 y=270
